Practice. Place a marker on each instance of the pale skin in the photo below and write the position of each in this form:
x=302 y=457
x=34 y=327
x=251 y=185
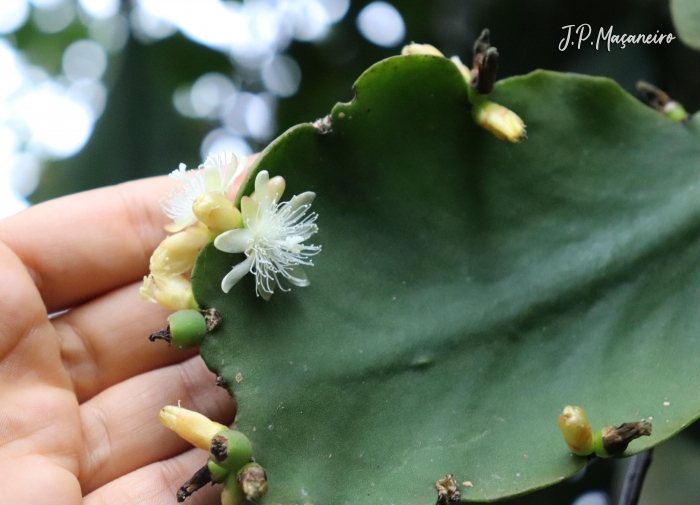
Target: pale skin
x=80 y=392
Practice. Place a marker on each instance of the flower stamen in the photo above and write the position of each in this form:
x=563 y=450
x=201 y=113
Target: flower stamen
x=272 y=238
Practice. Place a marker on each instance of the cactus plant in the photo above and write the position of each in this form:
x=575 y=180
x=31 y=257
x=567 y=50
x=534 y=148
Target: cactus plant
x=468 y=289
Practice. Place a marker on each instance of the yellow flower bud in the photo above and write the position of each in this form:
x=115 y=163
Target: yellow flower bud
x=147 y=292
x=169 y=284
x=414 y=48
x=502 y=122
x=171 y=291
x=217 y=212
x=192 y=426
x=576 y=429
x=177 y=253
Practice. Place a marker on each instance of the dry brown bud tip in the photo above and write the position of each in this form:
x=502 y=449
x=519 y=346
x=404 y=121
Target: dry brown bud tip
x=617 y=438
x=198 y=481
x=448 y=490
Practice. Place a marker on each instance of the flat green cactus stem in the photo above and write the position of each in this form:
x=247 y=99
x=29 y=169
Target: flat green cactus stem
x=468 y=289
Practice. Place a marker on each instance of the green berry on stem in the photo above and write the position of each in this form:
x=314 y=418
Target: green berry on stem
x=232 y=493
x=187 y=328
x=218 y=473
x=597 y=447
x=231 y=449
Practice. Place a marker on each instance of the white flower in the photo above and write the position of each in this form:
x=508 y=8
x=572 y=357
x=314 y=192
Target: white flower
x=217 y=175
x=272 y=238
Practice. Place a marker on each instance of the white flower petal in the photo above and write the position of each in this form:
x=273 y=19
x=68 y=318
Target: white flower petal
x=180 y=224
x=274 y=236
x=249 y=209
x=266 y=295
x=212 y=179
x=268 y=191
x=180 y=173
x=275 y=189
x=297 y=276
x=238 y=166
x=236 y=274
x=261 y=181
x=216 y=174
x=234 y=241
x=303 y=199
x=220 y=172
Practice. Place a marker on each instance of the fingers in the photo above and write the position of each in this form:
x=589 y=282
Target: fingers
x=121 y=427
x=83 y=245
x=105 y=341
x=38 y=412
x=157 y=484
x=34 y=479
x=20 y=306
x=80 y=246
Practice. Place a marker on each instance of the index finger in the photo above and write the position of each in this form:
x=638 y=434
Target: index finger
x=84 y=245
x=80 y=246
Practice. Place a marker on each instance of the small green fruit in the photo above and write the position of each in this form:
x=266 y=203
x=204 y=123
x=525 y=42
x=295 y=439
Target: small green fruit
x=218 y=473
x=187 y=328
x=231 y=449
x=232 y=493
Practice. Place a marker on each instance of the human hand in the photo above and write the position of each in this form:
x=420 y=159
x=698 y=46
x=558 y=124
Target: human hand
x=80 y=391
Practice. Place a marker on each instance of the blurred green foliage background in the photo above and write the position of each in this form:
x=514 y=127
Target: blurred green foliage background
x=141 y=133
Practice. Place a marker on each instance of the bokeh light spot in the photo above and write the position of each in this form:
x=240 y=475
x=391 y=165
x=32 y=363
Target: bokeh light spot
x=282 y=75
x=25 y=173
x=221 y=140
x=182 y=101
x=11 y=77
x=111 y=33
x=100 y=9
x=48 y=4
x=13 y=14
x=57 y=125
x=258 y=118
x=54 y=17
x=592 y=498
x=209 y=92
x=233 y=113
x=92 y=93
x=309 y=19
x=149 y=27
x=381 y=24
x=84 y=59
x=336 y=9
